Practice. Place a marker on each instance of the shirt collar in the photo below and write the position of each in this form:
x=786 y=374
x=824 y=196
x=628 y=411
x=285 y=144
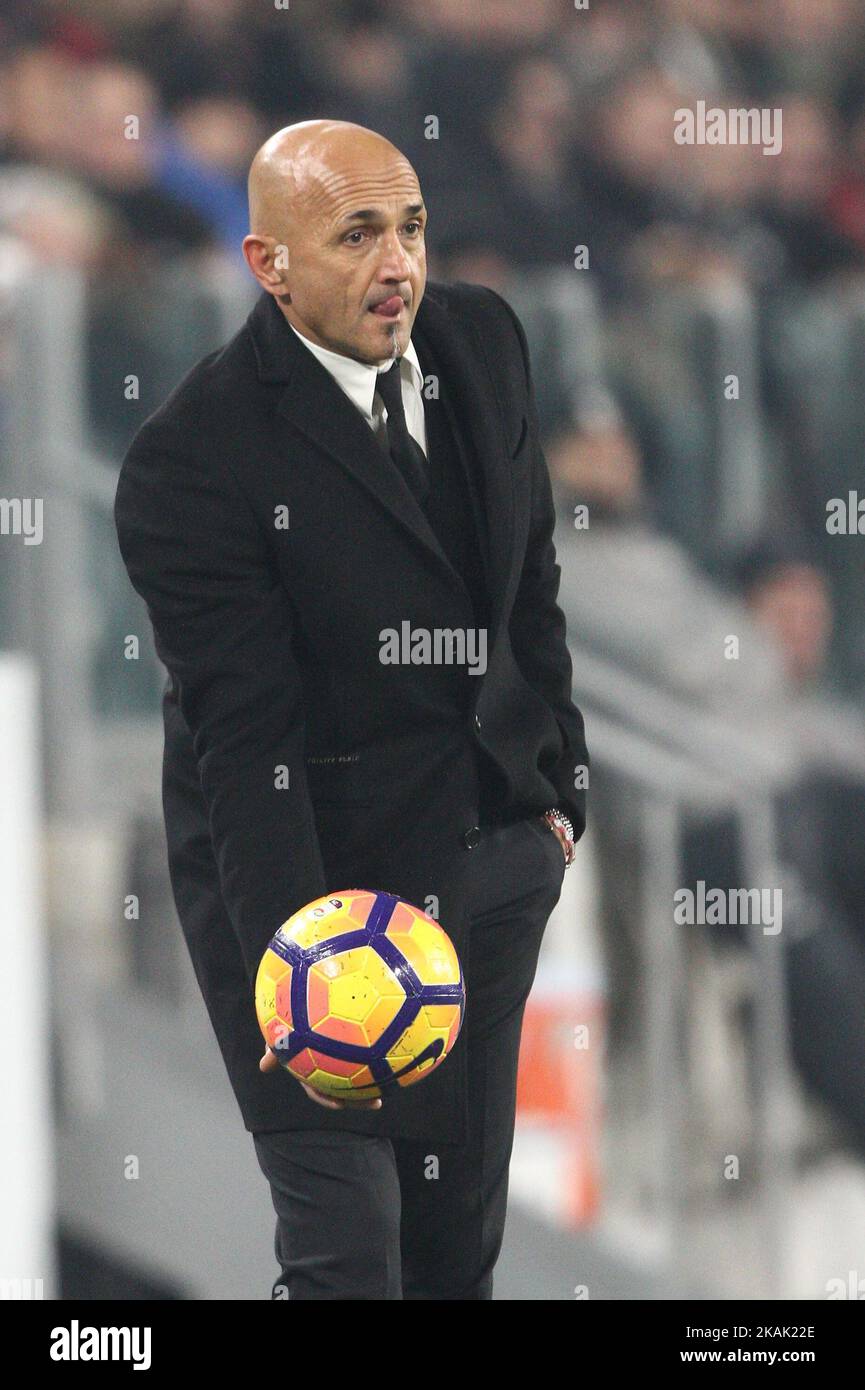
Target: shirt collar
x=358 y=379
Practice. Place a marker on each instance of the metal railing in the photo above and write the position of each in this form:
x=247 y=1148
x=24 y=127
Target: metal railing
x=668 y=769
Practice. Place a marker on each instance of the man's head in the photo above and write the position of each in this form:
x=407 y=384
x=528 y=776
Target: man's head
x=787 y=590
x=337 y=226
x=793 y=602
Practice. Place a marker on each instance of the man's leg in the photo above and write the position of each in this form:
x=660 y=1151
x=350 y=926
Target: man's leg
x=454 y=1200
x=337 y=1202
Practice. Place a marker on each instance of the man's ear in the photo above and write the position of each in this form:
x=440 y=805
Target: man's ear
x=268 y=261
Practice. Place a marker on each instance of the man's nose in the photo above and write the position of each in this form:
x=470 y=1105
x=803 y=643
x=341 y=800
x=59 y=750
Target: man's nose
x=395 y=264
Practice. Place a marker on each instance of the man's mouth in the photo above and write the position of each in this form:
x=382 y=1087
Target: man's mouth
x=389 y=308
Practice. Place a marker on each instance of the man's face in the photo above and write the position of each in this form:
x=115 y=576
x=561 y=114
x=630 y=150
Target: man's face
x=357 y=260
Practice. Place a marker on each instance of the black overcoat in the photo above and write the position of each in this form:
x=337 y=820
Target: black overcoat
x=273 y=542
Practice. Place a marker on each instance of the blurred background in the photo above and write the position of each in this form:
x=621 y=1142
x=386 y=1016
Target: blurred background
x=692 y=1103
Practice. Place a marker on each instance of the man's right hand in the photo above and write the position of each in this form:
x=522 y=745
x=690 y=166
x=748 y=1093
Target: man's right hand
x=270 y=1062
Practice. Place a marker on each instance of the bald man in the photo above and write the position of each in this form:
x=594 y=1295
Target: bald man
x=341 y=523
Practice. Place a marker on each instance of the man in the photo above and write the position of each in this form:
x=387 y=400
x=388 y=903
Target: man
x=284 y=514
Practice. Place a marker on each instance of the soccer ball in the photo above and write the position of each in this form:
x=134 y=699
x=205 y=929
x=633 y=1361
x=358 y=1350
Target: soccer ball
x=359 y=992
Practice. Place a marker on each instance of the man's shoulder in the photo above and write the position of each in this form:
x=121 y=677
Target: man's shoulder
x=494 y=329
x=478 y=303
x=210 y=393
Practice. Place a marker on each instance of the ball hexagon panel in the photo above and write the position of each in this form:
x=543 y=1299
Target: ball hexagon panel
x=425 y=946
x=352 y=996
x=328 y=918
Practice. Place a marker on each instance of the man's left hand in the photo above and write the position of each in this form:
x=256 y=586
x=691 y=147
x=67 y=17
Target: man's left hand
x=562 y=839
x=560 y=836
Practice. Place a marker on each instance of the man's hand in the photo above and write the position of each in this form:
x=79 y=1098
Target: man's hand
x=562 y=839
x=559 y=834
x=270 y=1062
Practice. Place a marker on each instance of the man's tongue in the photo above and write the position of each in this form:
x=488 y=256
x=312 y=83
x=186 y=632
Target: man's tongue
x=390 y=306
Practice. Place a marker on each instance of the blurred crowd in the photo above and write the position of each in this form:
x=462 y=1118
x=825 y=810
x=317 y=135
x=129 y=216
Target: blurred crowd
x=552 y=120
x=537 y=128
x=645 y=271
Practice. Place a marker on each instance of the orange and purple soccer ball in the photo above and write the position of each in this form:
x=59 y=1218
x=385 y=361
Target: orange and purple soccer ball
x=360 y=992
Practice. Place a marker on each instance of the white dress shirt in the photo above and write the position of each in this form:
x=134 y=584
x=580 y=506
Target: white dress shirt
x=358 y=380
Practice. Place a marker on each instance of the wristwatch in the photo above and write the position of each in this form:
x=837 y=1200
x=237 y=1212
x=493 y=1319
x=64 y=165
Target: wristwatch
x=553 y=816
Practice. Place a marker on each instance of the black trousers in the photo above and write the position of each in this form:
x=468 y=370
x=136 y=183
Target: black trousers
x=360 y=1217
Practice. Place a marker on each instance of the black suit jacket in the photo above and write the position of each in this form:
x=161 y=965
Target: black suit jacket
x=273 y=540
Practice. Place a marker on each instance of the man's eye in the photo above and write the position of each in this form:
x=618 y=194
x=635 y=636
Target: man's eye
x=413 y=229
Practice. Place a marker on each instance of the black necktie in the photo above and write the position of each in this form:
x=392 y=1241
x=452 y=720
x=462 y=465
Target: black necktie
x=405 y=451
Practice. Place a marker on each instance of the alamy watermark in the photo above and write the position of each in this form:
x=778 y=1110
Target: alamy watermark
x=737 y=126
x=845 y=516
x=14 y=1287
x=22 y=516
x=438 y=646
x=77 y=1343
x=729 y=907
